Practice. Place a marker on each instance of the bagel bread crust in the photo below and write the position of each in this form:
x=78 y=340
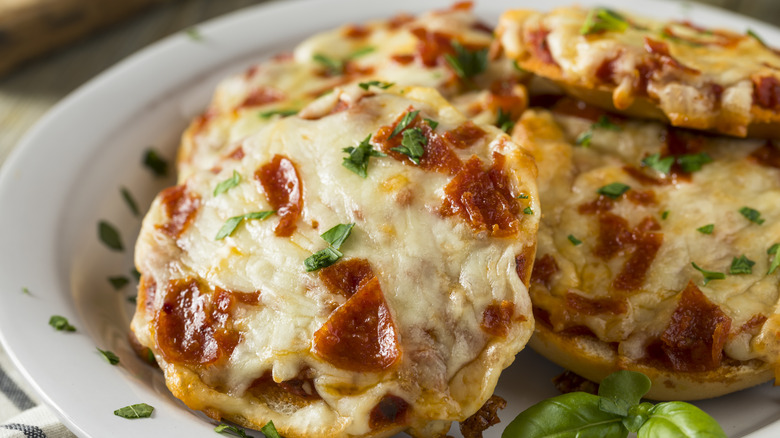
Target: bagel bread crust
x=675 y=72
x=614 y=287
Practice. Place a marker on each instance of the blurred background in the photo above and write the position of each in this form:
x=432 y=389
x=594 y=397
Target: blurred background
x=50 y=47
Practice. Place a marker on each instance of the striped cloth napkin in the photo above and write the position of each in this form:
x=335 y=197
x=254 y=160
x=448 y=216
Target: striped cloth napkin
x=21 y=415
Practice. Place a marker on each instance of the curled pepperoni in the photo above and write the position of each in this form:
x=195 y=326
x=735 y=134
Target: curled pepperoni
x=180 y=206
x=284 y=191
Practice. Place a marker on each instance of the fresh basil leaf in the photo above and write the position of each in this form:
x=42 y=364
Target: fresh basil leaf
x=574 y=241
x=693 y=162
x=357 y=157
x=707 y=229
x=604 y=122
x=361 y=52
x=412 y=144
x=741 y=265
x=61 y=324
x=119 y=281
x=405 y=121
x=465 y=63
x=278 y=112
x=775 y=260
x=333 y=67
x=109 y=356
x=378 y=84
x=109 y=236
x=575 y=414
x=322 y=259
x=603 y=20
x=232 y=223
x=614 y=190
x=662 y=165
x=155 y=162
x=528 y=210
x=637 y=416
x=679 y=419
x=504 y=121
x=709 y=275
x=130 y=201
x=237 y=431
x=140 y=410
x=337 y=235
x=584 y=138
x=432 y=123
x=773 y=249
x=751 y=215
x=269 y=430
x=622 y=390
x=227 y=184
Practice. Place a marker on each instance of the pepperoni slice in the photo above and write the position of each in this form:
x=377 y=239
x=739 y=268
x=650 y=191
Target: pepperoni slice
x=391 y=410
x=360 y=335
x=261 y=96
x=180 y=206
x=544 y=268
x=347 y=276
x=284 y=191
x=497 y=318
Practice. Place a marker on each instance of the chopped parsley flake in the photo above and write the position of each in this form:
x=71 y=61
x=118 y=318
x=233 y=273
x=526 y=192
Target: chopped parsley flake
x=357 y=157
x=603 y=20
x=741 y=265
x=140 y=410
x=109 y=236
x=574 y=241
x=193 y=33
x=361 y=52
x=154 y=162
x=278 y=112
x=412 y=144
x=465 y=63
x=775 y=260
x=432 y=123
x=504 y=121
x=330 y=255
x=269 y=430
x=137 y=275
x=528 y=210
x=693 y=162
x=338 y=234
x=665 y=214
x=130 y=201
x=605 y=123
x=752 y=33
x=522 y=196
x=227 y=184
x=655 y=162
x=237 y=431
x=614 y=190
x=333 y=67
x=231 y=224
x=60 y=323
x=709 y=275
x=752 y=215
x=109 y=356
x=405 y=121
x=119 y=281
x=707 y=229
x=26 y=291
x=378 y=84
x=584 y=138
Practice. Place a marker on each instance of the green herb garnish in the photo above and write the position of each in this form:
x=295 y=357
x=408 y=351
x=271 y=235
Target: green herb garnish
x=504 y=121
x=361 y=52
x=604 y=122
x=330 y=255
x=775 y=260
x=237 y=431
x=412 y=144
x=109 y=356
x=752 y=215
x=404 y=122
x=193 y=33
x=155 y=162
x=522 y=196
x=574 y=241
x=603 y=20
x=130 y=201
x=741 y=265
x=278 y=112
x=136 y=275
x=662 y=165
x=119 y=281
x=432 y=123
x=334 y=67
x=693 y=162
x=614 y=190
x=357 y=157
x=665 y=214
x=140 y=410
x=378 y=84
x=707 y=229
x=231 y=224
x=616 y=411
x=466 y=63
x=269 y=430
x=60 y=323
x=528 y=210
x=584 y=138
x=26 y=291
x=227 y=184
x=752 y=33
x=109 y=236
x=709 y=275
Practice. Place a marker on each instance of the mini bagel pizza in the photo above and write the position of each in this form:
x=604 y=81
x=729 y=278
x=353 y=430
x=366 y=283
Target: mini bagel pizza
x=656 y=252
x=361 y=269
x=674 y=71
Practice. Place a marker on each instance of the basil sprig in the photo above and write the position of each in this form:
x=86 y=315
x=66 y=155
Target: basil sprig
x=231 y=224
x=615 y=412
x=614 y=190
x=357 y=157
x=412 y=145
x=330 y=255
x=466 y=63
x=708 y=275
x=405 y=121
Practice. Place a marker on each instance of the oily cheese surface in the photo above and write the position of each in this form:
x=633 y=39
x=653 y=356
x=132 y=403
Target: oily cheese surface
x=434 y=266
x=676 y=71
x=614 y=285
x=403 y=50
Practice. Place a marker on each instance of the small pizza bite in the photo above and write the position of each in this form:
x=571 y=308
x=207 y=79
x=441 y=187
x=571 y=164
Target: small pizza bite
x=360 y=269
x=446 y=50
x=675 y=71
x=657 y=251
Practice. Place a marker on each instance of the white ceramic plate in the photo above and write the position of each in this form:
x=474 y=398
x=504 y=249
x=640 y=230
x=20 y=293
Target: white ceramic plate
x=66 y=175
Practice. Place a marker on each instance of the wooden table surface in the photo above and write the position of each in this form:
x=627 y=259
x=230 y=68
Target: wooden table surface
x=28 y=92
